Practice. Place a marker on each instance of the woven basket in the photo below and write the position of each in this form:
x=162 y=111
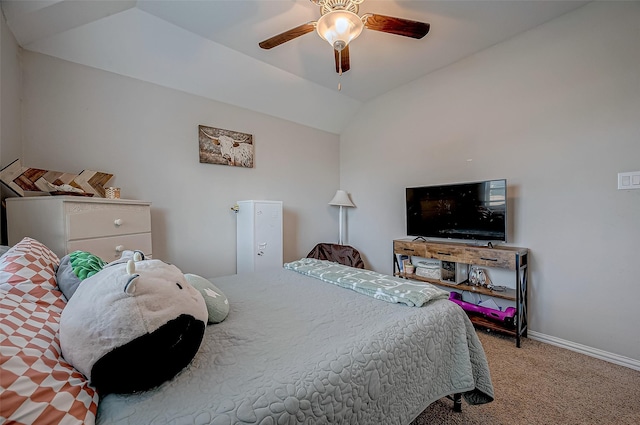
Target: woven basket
x=112 y=192
x=428 y=272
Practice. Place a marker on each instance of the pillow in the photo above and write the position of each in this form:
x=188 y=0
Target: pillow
x=29 y=269
x=217 y=302
x=38 y=386
x=76 y=267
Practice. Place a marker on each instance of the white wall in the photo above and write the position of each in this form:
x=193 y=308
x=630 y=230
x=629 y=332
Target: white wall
x=10 y=92
x=555 y=111
x=76 y=117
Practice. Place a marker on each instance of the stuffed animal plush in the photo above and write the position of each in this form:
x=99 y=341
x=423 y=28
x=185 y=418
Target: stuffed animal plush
x=132 y=325
x=74 y=268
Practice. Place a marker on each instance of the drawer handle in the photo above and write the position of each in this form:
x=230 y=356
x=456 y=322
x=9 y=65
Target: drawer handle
x=444 y=253
x=408 y=249
x=117 y=222
x=488 y=259
x=119 y=248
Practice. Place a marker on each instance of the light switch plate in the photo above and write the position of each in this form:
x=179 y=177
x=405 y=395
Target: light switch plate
x=630 y=180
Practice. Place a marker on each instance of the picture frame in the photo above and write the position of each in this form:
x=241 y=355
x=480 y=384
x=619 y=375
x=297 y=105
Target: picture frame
x=225 y=147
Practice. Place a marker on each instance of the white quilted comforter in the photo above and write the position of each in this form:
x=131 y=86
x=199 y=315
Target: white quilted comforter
x=297 y=350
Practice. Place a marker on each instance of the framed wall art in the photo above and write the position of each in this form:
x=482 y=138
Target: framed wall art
x=225 y=147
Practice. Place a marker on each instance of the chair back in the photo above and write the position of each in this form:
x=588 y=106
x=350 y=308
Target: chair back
x=342 y=254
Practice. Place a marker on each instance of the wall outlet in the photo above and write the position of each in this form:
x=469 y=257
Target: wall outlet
x=630 y=180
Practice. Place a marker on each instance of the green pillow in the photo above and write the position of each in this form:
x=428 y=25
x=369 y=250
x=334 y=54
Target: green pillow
x=216 y=301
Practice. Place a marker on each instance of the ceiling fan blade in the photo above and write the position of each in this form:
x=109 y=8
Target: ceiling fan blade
x=277 y=40
x=342 y=59
x=399 y=26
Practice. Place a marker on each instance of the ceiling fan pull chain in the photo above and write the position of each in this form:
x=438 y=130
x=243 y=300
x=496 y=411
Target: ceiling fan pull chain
x=339 y=69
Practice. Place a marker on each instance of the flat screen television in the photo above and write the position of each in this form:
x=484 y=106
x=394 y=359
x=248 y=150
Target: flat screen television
x=475 y=211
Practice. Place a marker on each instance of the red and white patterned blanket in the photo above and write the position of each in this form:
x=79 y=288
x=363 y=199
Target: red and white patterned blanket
x=37 y=385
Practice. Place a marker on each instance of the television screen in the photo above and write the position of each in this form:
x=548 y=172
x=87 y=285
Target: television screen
x=476 y=211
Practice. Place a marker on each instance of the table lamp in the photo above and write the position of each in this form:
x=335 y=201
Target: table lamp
x=341 y=199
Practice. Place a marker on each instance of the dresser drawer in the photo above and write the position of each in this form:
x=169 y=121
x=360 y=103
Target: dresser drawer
x=92 y=220
x=409 y=248
x=491 y=258
x=471 y=255
x=445 y=252
x=110 y=248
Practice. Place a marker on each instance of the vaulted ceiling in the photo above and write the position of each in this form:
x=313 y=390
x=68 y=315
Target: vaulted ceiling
x=210 y=48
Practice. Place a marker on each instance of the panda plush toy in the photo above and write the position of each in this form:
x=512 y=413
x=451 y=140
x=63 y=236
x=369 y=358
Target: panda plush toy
x=133 y=325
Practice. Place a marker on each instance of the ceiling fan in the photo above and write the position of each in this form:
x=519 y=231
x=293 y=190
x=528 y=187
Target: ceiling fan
x=339 y=24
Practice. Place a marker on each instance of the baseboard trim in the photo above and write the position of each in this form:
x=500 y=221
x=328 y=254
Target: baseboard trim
x=583 y=349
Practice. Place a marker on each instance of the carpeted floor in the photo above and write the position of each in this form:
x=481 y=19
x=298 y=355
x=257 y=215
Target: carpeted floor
x=543 y=384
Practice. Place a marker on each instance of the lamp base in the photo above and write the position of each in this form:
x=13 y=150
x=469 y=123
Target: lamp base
x=341 y=219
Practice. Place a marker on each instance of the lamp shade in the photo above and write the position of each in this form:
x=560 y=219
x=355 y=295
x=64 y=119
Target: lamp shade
x=341 y=199
x=339 y=27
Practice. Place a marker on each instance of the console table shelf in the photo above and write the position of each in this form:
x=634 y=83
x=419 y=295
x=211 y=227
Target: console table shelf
x=508 y=294
x=488 y=324
x=503 y=257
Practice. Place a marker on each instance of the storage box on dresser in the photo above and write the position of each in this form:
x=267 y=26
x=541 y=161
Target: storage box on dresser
x=104 y=227
x=501 y=257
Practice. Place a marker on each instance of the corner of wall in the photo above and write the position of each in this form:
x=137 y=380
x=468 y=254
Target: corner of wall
x=10 y=105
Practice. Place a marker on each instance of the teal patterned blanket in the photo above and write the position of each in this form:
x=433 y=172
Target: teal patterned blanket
x=367 y=282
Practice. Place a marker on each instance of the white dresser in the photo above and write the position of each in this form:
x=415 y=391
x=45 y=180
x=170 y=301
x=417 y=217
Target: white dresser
x=104 y=227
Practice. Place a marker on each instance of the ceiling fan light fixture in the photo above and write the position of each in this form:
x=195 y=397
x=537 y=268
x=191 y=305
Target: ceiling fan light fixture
x=339 y=28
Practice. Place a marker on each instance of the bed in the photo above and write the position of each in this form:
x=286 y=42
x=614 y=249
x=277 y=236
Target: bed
x=297 y=349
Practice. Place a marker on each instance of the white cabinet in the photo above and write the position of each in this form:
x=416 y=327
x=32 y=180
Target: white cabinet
x=104 y=227
x=259 y=235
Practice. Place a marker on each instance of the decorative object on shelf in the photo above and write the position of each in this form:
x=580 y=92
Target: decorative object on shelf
x=453 y=272
x=92 y=181
x=477 y=277
x=65 y=189
x=112 y=192
x=225 y=147
x=409 y=268
x=341 y=199
x=25 y=181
